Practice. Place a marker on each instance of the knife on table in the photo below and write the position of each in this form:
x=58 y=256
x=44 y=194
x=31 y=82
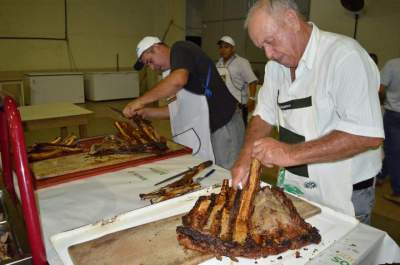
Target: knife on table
x=205 y=176
x=204 y=165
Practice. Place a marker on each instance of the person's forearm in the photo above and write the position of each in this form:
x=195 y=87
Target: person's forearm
x=252 y=89
x=167 y=87
x=334 y=146
x=161 y=113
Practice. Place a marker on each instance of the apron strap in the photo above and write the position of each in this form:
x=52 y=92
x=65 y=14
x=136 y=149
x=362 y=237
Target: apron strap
x=290 y=137
x=207 y=89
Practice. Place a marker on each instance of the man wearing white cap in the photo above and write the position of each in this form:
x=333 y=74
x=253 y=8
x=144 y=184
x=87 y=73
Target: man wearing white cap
x=204 y=116
x=238 y=75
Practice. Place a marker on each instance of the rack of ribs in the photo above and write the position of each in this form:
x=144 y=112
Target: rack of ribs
x=254 y=222
x=141 y=138
x=179 y=187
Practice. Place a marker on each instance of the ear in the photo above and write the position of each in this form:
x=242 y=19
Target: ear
x=292 y=19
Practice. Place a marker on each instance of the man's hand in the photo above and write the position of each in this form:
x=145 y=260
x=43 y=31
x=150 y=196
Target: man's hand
x=251 y=104
x=132 y=108
x=240 y=170
x=271 y=152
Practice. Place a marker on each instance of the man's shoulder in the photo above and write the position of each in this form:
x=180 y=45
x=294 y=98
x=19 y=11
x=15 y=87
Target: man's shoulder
x=338 y=43
x=241 y=59
x=185 y=45
x=395 y=62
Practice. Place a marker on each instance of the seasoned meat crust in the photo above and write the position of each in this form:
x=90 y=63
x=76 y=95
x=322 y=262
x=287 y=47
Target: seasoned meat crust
x=267 y=223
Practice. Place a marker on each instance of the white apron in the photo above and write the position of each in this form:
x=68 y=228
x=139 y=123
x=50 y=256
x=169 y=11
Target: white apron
x=327 y=183
x=226 y=76
x=190 y=124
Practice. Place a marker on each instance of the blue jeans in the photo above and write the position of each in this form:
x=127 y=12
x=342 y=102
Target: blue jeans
x=391 y=123
x=363 y=201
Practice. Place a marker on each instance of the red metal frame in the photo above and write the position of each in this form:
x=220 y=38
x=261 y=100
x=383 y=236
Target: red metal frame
x=5 y=156
x=29 y=207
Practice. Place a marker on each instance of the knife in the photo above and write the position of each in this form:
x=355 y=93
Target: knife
x=205 y=176
x=120 y=114
x=204 y=165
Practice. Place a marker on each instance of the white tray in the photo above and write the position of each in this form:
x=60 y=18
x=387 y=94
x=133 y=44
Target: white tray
x=332 y=226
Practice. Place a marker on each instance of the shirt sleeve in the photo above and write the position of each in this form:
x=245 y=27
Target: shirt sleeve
x=386 y=75
x=182 y=57
x=355 y=86
x=247 y=72
x=266 y=99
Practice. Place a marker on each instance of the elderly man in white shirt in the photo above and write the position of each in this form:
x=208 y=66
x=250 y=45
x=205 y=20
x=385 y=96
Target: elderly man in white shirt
x=320 y=90
x=238 y=76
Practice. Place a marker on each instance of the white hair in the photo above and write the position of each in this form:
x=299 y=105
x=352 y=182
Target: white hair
x=271 y=7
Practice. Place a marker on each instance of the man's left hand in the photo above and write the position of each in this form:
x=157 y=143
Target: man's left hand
x=132 y=108
x=271 y=152
x=251 y=104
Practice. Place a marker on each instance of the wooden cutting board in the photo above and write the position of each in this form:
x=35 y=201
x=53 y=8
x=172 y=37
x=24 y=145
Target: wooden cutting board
x=76 y=166
x=150 y=244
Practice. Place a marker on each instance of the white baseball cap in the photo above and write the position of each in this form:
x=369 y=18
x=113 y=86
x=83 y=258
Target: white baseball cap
x=226 y=39
x=142 y=46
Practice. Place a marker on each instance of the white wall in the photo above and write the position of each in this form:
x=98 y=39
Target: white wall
x=98 y=30
x=378 y=25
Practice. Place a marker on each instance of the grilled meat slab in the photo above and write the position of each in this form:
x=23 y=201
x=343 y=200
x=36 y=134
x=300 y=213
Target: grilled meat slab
x=251 y=223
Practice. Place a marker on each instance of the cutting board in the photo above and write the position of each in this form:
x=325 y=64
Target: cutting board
x=76 y=166
x=151 y=244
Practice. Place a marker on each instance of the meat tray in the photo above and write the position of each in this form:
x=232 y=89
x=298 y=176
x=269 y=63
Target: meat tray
x=327 y=222
x=11 y=223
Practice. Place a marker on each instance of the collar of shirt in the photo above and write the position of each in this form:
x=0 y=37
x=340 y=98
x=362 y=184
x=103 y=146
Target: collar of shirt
x=308 y=58
x=221 y=61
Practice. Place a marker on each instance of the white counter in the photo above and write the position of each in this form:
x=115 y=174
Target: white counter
x=75 y=204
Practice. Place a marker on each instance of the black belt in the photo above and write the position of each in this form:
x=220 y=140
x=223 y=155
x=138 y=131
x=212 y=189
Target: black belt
x=364 y=184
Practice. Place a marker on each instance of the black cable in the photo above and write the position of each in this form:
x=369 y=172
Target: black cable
x=198 y=138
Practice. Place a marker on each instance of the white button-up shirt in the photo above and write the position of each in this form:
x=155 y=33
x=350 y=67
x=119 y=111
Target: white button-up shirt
x=346 y=82
x=241 y=76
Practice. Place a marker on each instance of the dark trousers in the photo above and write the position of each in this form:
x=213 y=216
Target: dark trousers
x=391 y=123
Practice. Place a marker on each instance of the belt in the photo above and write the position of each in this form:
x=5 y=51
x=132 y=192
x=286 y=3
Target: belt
x=364 y=184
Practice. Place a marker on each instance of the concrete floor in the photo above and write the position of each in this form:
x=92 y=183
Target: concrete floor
x=386 y=215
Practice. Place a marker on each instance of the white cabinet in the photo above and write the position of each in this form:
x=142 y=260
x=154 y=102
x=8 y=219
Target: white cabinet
x=111 y=85
x=55 y=87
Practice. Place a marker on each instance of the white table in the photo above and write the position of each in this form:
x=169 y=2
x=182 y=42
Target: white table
x=71 y=205
x=55 y=115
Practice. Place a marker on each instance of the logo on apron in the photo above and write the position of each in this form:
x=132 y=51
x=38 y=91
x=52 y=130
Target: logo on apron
x=309 y=184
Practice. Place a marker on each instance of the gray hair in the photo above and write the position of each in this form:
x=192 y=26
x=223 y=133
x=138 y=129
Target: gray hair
x=271 y=7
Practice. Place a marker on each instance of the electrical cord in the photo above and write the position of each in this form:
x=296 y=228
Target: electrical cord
x=198 y=138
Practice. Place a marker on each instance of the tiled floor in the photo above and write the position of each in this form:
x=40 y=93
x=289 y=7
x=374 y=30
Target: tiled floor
x=386 y=215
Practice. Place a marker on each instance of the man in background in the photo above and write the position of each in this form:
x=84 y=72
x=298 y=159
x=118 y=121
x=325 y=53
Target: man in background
x=390 y=91
x=238 y=75
x=204 y=107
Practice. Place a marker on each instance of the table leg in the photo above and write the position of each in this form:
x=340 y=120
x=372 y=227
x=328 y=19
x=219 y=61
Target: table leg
x=64 y=132
x=82 y=131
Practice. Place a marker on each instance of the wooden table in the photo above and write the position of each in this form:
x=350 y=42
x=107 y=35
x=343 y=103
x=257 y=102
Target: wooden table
x=55 y=115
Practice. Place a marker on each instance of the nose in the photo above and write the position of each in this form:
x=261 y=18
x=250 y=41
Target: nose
x=269 y=52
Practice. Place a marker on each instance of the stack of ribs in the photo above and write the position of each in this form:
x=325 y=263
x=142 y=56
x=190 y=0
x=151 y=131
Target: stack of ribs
x=182 y=186
x=138 y=137
x=251 y=223
x=57 y=147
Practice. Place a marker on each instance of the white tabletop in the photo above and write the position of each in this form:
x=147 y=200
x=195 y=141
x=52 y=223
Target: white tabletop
x=78 y=203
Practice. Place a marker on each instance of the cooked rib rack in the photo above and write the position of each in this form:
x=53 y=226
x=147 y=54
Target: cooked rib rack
x=251 y=223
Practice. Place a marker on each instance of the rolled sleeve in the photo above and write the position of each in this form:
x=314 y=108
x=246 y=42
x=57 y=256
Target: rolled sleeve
x=266 y=101
x=357 y=101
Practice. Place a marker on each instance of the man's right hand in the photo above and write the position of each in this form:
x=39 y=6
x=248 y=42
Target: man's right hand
x=132 y=108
